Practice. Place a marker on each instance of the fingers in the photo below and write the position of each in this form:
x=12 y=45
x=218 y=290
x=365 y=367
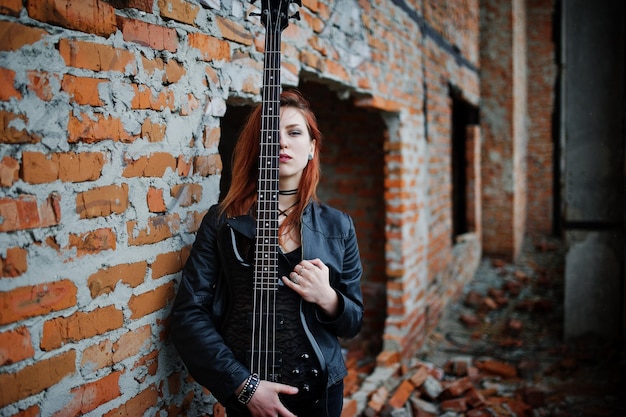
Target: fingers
x=285 y=389
x=265 y=401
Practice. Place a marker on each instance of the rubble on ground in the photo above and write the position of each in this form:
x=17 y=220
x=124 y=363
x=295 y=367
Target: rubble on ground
x=499 y=352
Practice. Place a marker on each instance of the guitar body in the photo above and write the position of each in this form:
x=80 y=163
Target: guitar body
x=286 y=352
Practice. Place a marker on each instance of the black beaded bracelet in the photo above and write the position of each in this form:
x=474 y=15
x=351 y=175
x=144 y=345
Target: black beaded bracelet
x=249 y=388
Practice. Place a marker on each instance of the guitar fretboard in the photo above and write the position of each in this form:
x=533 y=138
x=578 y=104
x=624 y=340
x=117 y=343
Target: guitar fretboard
x=266 y=257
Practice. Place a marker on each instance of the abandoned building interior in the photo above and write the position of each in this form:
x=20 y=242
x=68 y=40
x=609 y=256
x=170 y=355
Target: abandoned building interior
x=457 y=134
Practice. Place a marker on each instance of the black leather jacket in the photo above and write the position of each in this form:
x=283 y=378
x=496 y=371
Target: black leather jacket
x=198 y=309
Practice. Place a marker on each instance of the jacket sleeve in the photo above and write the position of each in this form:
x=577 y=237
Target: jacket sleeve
x=192 y=325
x=350 y=318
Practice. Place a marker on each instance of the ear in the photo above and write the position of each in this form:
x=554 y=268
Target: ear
x=312 y=148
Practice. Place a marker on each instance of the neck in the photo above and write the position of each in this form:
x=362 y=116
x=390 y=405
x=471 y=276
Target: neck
x=286 y=200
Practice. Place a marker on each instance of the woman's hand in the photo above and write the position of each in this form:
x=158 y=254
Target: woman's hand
x=266 y=403
x=311 y=280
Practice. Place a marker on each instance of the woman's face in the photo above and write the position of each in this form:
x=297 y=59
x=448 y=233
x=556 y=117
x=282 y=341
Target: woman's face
x=295 y=147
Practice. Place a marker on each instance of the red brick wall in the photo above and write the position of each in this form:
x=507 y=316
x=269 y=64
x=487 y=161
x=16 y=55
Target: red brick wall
x=444 y=70
x=503 y=120
x=110 y=117
x=542 y=74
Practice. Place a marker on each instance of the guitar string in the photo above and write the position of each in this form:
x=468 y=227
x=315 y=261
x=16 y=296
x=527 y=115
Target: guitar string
x=275 y=92
x=266 y=290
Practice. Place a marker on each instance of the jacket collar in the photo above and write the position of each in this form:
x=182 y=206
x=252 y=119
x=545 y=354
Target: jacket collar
x=246 y=225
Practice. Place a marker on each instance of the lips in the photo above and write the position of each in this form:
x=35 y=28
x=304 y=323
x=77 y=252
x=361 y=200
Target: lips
x=283 y=157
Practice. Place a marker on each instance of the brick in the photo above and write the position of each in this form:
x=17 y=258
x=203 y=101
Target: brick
x=455 y=388
x=186 y=194
x=15 y=262
x=211 y=137
x=85 y=129
x=206 y=165
x=91 y=16
x=7 y=85
x=420 y=375
x=179 y=10
x=39 y=168
x=60 y=331
x=11 y=7
x=183 y=166
x=147 y=34
x=26 y=213
x=174 y=71
x=131 y=343
x=105 y=280
x=474 y=398
x=9 y=171
x=14 y=36
x=151 y=301
x=402 y=394
x=11 y=135
x=210 y=48
x=15 y=346
x=497 y=368
x=36 y=378
x=167 y=264
x=44 y=84
x=80 y=167
x=107 y=353
x=153 y=165
x=233 y=31
x=96 y=57
x=83 y=90
x=90 y=396
x=146 y=99
x=102 y=201
x=153 y=132
x=159 y=228
x=136 y=406
x=93 y=242
x=155 y=201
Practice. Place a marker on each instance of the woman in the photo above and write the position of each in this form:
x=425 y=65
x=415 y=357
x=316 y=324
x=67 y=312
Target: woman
x=318 y=262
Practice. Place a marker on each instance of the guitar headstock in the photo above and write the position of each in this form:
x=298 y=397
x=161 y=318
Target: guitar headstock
x=275 y=14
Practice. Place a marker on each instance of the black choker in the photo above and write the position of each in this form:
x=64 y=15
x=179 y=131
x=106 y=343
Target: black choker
x=288 y=192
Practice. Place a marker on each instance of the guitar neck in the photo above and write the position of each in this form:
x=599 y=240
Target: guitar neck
x=266 y=255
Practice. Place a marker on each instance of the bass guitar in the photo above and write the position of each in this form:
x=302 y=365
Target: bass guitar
x=264 y=325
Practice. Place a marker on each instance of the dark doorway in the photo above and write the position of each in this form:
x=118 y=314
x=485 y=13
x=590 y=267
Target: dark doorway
x=464 y=114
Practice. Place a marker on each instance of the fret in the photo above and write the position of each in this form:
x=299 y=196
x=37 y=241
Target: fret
x=266 y=261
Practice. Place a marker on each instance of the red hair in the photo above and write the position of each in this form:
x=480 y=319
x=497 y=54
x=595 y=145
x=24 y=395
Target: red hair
x=242 y=195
